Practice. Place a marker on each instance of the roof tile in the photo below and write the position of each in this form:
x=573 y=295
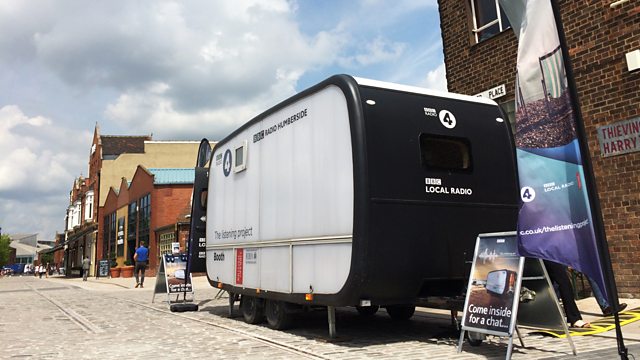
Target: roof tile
x=116 y=145
x=173 y=176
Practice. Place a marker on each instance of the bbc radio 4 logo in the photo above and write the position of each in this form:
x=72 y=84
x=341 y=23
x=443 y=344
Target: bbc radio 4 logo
x=226 y=163
x=447 y=119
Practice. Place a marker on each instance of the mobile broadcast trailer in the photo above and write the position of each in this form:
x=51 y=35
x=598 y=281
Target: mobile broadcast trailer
x=356 y=193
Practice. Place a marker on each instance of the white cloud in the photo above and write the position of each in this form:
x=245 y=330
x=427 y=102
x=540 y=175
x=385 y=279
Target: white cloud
x=152 y=111
x=35 y=167
x=249 y=58
x=379 y=50
x=436 y=79
x=209 y=55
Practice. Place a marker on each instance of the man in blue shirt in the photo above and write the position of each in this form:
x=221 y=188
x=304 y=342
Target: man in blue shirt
x=141 y=256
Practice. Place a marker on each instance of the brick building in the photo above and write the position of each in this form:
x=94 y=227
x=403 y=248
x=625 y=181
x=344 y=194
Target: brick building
x=151 y=208
x=80 y=223
x=110 y=159
x=480 y=53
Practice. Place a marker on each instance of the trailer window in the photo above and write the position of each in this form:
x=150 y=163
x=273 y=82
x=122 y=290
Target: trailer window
x=240 y=158
x=443 y=152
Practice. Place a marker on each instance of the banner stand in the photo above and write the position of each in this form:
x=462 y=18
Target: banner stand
x=493 y=302
x=172 y=279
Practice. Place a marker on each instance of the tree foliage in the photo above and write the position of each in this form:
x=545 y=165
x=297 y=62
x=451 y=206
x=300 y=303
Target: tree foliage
x=5 y=249
x=46 y=258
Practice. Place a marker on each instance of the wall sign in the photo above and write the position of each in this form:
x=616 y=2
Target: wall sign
x=239 y=266
x=619 y=138
x=493 y=93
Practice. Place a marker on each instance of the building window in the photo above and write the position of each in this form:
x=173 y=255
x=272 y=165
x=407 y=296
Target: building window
x=132 y=223
x=112 y=231
x=88 y=206
x=488 y=19
x=77 y=213
x=105 y=239
x=166 y=240
x=70 y=218
x=110 y=236
x=120 y=236
x=145 y=219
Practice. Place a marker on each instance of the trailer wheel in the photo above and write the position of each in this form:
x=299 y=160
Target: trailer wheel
x=252 y=309
x=401 y=312
x=277 y=316
x=367 y=310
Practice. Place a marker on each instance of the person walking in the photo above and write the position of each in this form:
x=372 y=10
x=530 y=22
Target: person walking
x=607 y=310
x=558 y=274
x=140 y=257
x=86 y=265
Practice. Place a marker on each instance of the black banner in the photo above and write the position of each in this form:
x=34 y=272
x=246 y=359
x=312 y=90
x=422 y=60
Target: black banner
x=196 y=248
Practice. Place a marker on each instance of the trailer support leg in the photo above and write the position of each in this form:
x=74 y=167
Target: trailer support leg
x=232 y=299
x=454 y=319
x=331 y=313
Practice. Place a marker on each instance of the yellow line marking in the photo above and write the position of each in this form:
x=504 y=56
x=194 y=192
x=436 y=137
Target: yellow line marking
x=598 y=326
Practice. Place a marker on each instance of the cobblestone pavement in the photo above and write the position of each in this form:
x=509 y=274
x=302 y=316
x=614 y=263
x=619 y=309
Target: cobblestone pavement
x=59 y=318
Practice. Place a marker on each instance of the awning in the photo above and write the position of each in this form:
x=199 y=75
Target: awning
x=52 y=250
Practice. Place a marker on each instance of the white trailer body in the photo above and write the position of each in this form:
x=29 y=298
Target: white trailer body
x=289 y=208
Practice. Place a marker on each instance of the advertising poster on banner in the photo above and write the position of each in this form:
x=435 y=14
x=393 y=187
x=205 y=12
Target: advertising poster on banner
x=555 y=221
x=175 y=273
x=492 y=298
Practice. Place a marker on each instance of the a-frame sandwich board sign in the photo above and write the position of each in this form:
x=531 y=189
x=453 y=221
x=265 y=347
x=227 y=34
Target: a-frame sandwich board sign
x=492 y=300
x=172 y=278
x=492 y=305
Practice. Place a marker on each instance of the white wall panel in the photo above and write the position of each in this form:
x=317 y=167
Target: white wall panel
x=221 y=270
x=324 y=267
x=274 y=268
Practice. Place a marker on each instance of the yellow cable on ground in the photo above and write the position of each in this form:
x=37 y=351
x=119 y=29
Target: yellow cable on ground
x=598 y=326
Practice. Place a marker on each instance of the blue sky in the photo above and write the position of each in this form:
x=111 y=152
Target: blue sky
x=180 y=70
